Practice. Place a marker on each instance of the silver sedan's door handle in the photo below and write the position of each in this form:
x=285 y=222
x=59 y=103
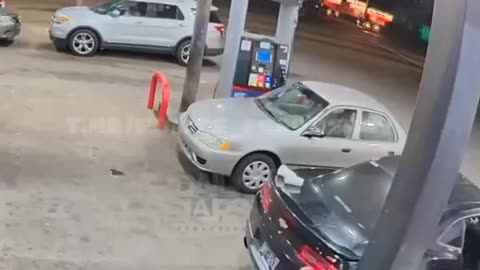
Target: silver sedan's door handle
x=181 y=25
x=138 y=22
x=347 y=150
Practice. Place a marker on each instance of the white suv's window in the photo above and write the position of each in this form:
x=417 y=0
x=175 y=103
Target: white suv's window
x=136 y=9
x=106 y=7
x=164 y=11
x=214 y=18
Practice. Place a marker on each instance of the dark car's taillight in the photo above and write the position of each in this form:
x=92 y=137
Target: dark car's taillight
x=266 y=198
x=315 y=261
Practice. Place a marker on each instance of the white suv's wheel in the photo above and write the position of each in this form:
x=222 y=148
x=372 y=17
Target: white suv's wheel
x=83 y=42
x=6 y=42
x=183 y=52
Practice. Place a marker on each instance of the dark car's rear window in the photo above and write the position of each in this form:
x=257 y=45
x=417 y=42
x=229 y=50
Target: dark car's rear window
x=357 y=193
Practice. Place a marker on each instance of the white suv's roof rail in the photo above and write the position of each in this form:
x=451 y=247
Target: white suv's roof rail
x=192 y=3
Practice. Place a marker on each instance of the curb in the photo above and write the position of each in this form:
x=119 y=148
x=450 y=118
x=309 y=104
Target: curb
x=406 y=58
x=172 y=121
x=172 y=125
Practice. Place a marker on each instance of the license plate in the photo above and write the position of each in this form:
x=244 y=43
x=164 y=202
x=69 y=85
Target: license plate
x=267 y=254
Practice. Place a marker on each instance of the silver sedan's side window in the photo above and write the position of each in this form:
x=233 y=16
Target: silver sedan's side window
x=339 y=123
x=376 y=127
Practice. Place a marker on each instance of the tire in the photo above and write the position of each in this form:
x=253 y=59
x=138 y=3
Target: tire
x=261 y=166
x=83 y=42
x=376 y=28
x=6 y=42
x=336 y=14
x=182 y=53
x=329 y=12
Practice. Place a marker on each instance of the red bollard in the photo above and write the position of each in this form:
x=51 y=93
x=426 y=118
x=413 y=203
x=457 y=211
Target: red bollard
x=162 y=114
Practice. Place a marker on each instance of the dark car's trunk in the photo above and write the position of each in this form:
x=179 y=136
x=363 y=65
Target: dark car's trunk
x=297 y=230
x=341 y=207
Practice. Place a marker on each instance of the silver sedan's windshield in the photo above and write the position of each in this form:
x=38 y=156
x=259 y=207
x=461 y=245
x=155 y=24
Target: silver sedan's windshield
x=292 y=106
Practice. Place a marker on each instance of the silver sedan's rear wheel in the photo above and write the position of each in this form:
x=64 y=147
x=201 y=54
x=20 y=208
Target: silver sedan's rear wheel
x=252 y=172
x=83 y=42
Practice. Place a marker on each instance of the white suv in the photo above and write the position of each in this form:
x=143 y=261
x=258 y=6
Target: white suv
x=163 y=26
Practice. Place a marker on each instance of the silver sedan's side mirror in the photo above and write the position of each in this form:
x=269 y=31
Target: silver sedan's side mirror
x=313 y=133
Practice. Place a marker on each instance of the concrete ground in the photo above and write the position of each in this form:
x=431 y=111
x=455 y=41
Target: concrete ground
x=87 y=181
x=65 y=124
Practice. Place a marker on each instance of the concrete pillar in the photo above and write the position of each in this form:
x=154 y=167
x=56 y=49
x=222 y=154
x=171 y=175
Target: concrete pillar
x=439 y=133
x=235 y=29
x=197 y=51
x=287 y=24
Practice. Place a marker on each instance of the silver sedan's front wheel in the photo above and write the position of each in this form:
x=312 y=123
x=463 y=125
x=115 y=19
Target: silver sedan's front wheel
x=83 y=42
x=256 y=174
x=252 y=172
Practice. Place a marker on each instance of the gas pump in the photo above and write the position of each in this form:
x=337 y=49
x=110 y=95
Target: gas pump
x=262 y=66
x=254 y=64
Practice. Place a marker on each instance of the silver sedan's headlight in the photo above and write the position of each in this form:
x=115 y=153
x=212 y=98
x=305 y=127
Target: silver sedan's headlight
x=6 y=20
x=212 y=141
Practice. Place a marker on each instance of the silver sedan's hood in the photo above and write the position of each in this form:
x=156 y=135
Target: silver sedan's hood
x=231 y=117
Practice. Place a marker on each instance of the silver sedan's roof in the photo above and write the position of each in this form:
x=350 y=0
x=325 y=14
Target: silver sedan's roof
x=338 y=95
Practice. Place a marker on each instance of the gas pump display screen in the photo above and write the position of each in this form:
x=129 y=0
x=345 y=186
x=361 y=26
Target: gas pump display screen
x=265 y=45
x=264 y=57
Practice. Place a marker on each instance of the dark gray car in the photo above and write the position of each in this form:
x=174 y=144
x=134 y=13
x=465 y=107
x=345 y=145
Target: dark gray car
x=10 y=26
x=302 y=220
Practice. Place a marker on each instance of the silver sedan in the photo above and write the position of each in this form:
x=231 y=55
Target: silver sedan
x=310 y=124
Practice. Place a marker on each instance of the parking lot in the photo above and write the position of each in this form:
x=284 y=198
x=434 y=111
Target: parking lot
x=66 y=124
x=89 y=182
